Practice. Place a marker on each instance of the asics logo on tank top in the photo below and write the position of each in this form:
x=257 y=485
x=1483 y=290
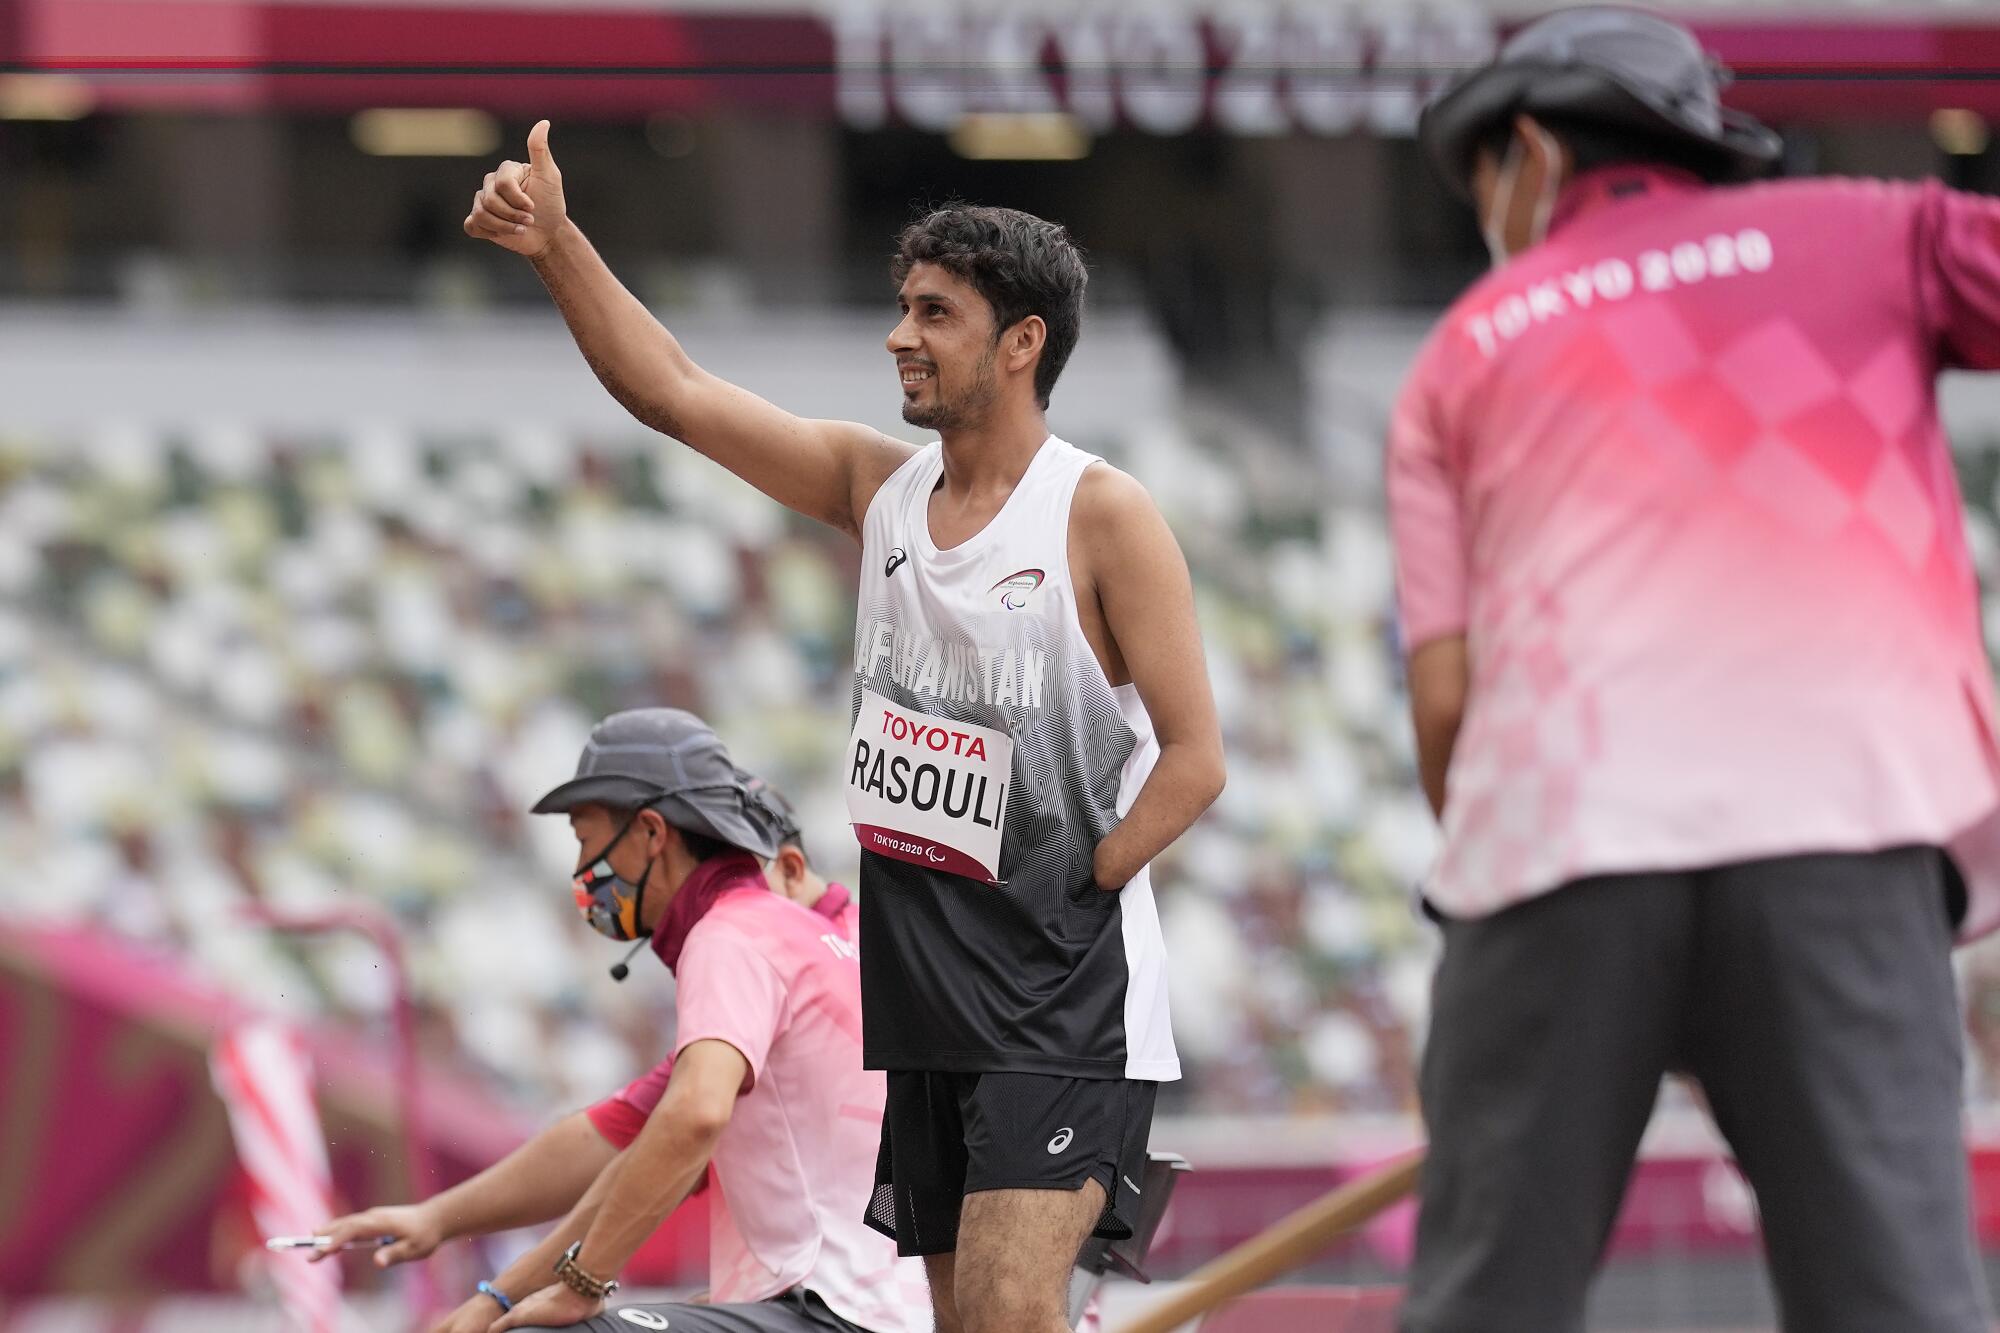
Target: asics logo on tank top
x=897 y=558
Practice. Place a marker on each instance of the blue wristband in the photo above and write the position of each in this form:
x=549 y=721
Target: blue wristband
x=488 y=1289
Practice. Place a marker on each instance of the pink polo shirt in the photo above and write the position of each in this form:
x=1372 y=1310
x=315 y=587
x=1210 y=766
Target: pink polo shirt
x=1677 y=475
x=794 y=1170
x=621 y=1116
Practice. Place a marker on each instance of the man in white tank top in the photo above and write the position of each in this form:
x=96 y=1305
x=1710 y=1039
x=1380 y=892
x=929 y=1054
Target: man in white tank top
x=1032 y=725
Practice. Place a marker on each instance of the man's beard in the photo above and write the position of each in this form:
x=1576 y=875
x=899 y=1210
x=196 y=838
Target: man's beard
x=963 y=412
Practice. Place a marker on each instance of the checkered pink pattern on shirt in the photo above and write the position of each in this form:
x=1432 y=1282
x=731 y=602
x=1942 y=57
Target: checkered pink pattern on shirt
x=1677 y=475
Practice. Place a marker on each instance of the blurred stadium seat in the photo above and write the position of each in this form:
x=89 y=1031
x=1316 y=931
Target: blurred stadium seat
x=301 y=663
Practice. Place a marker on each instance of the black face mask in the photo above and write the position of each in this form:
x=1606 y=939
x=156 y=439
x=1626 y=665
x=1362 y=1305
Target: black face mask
x=609 y=902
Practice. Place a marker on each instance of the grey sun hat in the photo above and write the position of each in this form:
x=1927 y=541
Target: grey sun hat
x=777 y=812
x=673 y=762
x=1606 y=65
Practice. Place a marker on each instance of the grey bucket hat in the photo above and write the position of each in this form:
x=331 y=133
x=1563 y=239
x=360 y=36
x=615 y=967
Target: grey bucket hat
x=1606 y=65
x=673 y=762
x=776 y=812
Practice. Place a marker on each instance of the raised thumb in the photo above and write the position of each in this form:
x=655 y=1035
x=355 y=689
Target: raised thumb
x=538 y=146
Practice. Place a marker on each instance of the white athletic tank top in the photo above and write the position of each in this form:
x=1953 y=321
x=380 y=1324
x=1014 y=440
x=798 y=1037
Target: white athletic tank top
x=988 y=757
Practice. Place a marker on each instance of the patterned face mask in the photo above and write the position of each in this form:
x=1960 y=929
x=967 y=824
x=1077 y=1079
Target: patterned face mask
x=609 y=901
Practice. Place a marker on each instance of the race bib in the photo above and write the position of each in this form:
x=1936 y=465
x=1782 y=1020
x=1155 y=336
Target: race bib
x=928 y=790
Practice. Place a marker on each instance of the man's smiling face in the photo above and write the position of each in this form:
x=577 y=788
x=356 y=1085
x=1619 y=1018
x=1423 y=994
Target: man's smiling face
x=945 y=348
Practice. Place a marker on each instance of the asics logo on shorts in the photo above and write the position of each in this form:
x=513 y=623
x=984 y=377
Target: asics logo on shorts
x=1061 y=1140
x=643 y=1318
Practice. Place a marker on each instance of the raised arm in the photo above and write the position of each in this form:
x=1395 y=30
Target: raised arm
x=827 y=470
x=1127 y=556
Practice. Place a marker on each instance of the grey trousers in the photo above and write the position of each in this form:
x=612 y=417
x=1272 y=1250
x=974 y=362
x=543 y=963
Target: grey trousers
x=795 y=1311
x=1813 y=998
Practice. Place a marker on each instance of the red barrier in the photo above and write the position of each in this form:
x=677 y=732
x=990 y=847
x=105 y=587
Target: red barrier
x=117 y=1171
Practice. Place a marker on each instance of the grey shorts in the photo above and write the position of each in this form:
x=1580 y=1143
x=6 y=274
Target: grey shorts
x=1812 y=996
x=796 y=1311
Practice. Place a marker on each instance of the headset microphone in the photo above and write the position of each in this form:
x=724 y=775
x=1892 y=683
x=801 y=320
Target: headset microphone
x=623 y=969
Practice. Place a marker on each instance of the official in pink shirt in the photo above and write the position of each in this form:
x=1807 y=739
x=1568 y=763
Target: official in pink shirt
x=763 y=1100
x=1699 y=685
x=619 y=1117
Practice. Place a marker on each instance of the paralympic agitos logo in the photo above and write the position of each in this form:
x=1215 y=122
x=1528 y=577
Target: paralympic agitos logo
x=1014 y=589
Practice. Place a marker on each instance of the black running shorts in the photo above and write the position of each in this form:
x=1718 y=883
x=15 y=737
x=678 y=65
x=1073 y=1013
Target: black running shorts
x=945 y=1136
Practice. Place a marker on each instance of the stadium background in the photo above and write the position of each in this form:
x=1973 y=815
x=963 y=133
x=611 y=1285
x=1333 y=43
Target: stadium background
x=320 y=549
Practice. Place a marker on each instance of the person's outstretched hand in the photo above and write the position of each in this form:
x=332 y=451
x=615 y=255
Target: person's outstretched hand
x=520 y=205
x=417 y=1233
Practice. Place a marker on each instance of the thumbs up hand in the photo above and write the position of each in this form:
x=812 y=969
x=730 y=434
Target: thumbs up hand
x=520 y=205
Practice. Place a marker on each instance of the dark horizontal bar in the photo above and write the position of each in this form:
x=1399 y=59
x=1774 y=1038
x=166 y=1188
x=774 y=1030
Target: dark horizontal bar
x=362 y=69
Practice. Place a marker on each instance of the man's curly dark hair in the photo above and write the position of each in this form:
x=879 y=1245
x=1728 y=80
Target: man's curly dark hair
x=1021 y=264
